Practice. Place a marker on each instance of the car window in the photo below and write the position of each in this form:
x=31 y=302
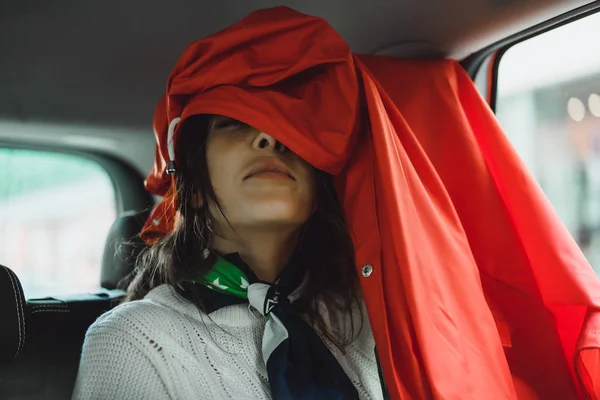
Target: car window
x=548 y=102
x=55 y=213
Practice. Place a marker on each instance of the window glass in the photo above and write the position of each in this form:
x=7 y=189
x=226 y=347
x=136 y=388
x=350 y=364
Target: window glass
x=55 y=213
x=549 y=105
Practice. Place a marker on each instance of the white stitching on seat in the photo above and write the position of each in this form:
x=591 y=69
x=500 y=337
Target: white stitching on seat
x=21 y=307
x=36 y=306
x=20 y=312
x=49 y=310
x=23 y=311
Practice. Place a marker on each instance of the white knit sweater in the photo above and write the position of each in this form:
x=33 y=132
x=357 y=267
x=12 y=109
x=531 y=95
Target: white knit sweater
x=162 y=347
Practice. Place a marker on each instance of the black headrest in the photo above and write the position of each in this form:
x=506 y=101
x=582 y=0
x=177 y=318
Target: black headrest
x=12 y=315
x=118 y=261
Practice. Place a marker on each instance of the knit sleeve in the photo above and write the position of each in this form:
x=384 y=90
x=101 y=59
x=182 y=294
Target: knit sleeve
x=112 y=366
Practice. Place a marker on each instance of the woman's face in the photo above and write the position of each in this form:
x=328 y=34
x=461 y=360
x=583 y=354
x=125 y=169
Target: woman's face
x=258 y=182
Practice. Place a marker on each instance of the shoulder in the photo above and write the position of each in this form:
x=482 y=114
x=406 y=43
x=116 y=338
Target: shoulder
x=154 y=343
x=142 y=325
x=164 y=315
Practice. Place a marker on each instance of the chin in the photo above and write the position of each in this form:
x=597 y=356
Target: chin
x=276 y=214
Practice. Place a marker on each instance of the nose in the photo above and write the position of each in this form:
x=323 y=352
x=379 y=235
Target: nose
x=263 y=141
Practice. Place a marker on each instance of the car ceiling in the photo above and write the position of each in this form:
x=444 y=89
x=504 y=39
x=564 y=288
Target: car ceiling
x=87 y=74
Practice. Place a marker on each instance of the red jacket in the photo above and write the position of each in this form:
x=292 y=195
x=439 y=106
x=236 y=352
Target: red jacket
x=475 y=279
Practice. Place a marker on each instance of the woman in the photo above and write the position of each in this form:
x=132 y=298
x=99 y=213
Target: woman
x=458 y=310
x=251 y=214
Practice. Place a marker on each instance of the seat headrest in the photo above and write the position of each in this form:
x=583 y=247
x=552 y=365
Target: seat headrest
x=12 y=315
x=118 y=262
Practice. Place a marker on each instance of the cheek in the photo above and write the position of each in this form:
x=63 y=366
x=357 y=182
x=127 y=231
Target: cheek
x=224 y=160
x=219 y=165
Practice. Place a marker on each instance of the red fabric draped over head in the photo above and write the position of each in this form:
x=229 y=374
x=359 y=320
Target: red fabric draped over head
x=474 y=277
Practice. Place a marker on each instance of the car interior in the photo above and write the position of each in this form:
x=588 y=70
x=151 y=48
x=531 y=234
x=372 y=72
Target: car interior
x=79 y=82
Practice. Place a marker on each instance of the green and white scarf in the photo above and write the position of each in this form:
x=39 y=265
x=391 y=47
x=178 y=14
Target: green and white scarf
x=299 y=364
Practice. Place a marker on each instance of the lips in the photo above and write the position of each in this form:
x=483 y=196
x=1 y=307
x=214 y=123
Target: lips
x=269 y=165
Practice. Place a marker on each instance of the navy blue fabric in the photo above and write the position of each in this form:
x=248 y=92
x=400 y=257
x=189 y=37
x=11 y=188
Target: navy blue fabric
x=301 y=367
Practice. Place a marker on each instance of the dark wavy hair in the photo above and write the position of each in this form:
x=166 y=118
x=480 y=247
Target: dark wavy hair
x=325 y=247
